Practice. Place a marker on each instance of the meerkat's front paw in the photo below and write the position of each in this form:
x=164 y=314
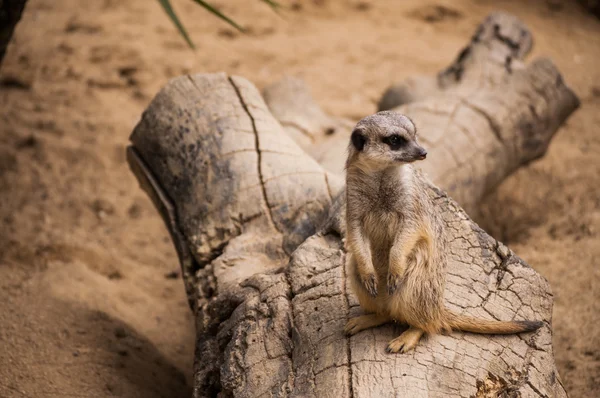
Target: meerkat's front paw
x=394 y=280
x=369 y=281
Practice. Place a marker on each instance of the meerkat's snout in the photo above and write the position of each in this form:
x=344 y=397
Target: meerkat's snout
x=422 y=153
x=412 y=153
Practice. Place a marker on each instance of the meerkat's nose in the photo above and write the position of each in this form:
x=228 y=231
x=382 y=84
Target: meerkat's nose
x=422 y=154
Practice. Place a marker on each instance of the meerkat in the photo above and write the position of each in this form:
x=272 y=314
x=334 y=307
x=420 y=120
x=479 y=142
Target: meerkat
x=396 y=240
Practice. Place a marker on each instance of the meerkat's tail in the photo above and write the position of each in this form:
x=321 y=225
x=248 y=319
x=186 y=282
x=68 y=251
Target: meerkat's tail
x=478 y=325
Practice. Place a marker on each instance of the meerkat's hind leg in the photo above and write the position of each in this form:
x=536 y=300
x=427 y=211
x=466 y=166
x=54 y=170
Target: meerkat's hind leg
x=359 y=323
x=406 y=341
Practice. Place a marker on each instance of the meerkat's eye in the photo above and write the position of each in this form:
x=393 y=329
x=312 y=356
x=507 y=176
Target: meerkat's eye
x=395 y=141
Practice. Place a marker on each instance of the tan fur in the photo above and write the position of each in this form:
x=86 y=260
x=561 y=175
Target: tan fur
x=396 y=240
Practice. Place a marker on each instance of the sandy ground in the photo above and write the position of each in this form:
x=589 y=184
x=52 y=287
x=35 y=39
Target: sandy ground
x=91 y=303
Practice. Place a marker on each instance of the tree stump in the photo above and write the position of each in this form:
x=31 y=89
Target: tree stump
x=257 y=226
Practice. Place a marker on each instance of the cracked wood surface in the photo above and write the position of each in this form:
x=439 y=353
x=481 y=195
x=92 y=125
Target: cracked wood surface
x=479 y=119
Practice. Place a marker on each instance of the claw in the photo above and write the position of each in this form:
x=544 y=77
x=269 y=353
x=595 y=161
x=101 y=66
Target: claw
x=392 y=350
x=351 y=328
x=370 y=283
x=393 y=283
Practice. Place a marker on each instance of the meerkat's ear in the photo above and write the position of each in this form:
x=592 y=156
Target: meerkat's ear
x=358 y=140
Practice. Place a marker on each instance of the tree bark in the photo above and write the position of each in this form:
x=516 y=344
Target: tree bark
x=10 y=14
x=257 y=226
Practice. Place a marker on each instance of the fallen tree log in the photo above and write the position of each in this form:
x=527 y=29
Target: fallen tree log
x=480 y=119
x=259 y=242
x=496 y=49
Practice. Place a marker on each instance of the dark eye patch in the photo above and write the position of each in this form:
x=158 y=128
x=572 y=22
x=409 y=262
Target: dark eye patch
x=358 y=140
x=395 y=141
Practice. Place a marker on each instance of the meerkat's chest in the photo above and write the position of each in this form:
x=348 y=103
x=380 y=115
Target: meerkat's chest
x=383 y=214
x=381 y=225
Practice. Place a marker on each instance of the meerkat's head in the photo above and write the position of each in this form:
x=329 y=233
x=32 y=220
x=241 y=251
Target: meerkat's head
x=384 y=139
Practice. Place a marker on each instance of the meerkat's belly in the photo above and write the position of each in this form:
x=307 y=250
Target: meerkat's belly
x=381 y=228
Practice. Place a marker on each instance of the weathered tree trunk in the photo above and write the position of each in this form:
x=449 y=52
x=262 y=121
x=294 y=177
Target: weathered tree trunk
x=10 y=14
x=259 y=243
x=480 y=119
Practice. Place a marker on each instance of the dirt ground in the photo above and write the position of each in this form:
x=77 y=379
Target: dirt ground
x=91 y=302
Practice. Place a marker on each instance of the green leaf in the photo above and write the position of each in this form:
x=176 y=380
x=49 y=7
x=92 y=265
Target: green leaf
x=274 y=5
x=166 y=5
x=219 y=14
